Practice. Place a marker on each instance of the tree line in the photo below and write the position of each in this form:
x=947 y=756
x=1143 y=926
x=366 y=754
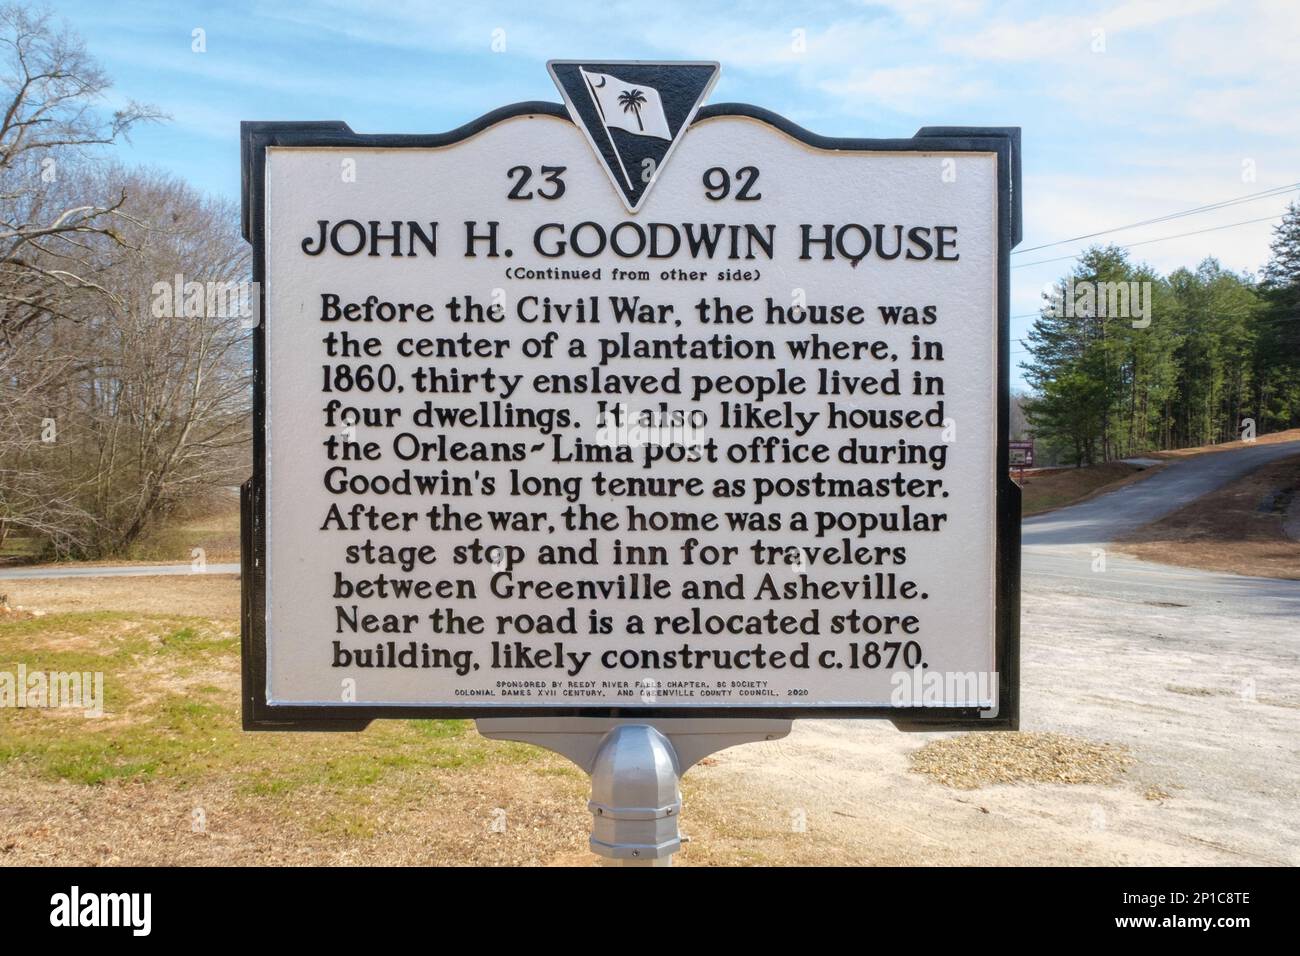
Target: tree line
x=118 y=404
x=1210 y=356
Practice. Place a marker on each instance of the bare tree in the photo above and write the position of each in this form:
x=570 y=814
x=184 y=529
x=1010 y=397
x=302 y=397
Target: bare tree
x=52 y=90
x=114 y=404
x=165 y=410
x=153 y=411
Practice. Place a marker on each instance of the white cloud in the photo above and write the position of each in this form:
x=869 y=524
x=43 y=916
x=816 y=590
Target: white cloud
x=922 y=13
x=906 y=89
x=1054 y=36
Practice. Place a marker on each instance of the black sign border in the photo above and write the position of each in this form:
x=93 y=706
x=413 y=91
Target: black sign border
x=256 y=137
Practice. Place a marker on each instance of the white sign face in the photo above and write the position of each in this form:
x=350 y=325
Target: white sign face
x=526 y=449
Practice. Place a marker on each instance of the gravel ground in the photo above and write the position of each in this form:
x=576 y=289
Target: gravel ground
x=1206 y=704
x=1192 y=676
x=974 y=760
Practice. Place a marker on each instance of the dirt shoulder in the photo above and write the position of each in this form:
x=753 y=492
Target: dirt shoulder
x=1272 y=438
x=1240 y=528
x=1049 y=490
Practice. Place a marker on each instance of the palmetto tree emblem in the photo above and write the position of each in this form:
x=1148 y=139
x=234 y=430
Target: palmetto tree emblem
x=632 y=101
x=622 y=113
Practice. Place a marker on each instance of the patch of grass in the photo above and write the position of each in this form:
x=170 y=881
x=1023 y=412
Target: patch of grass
x=216 y=533
x=84 y=623
x=171 y=741
x=440 y=729
x=183 y=714
x=358 y=765
x=167 y=716
x=566 y=772
x=83 y=762
x=194 y=640
x=18 y=550
x=119 y=645
x=349 y=825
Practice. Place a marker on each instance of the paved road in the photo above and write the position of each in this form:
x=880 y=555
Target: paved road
x=1184 y=480
x=109 y=570
x=1063 y=549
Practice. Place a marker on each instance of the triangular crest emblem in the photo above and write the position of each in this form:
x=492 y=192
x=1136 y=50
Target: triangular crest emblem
x=633 y=113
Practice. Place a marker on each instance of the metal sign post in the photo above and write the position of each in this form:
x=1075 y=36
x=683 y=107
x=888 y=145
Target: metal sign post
x=635 y=768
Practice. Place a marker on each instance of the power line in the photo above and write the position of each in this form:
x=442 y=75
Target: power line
x=1147 y=242
x=1223 y=204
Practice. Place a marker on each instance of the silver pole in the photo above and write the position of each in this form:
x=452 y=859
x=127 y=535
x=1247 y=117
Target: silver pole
x=635 y=768
x=635 y=800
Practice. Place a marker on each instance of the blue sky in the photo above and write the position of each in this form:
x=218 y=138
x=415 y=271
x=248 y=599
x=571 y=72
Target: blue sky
x=1130 y=110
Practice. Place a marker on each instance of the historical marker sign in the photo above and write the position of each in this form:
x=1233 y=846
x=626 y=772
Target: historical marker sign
x=1021 y=453
x=630 y=406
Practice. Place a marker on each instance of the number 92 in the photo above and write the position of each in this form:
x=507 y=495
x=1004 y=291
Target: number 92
x=718 y=183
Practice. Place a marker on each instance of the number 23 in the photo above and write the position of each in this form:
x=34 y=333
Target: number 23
x=522 y=174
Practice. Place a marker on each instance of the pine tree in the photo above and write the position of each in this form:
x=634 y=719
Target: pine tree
x=1219 y=349
x=1071 y=370
x=1277 y=353
x=1283 y=267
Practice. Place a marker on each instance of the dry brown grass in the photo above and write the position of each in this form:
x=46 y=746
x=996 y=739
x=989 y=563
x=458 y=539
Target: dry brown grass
x=447 y=819
x=200 y=595
x=1272 y=438
x=1226 y=530
x=168 y=777
x=1047 y=491
x=968 y=761
x=214 y=529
